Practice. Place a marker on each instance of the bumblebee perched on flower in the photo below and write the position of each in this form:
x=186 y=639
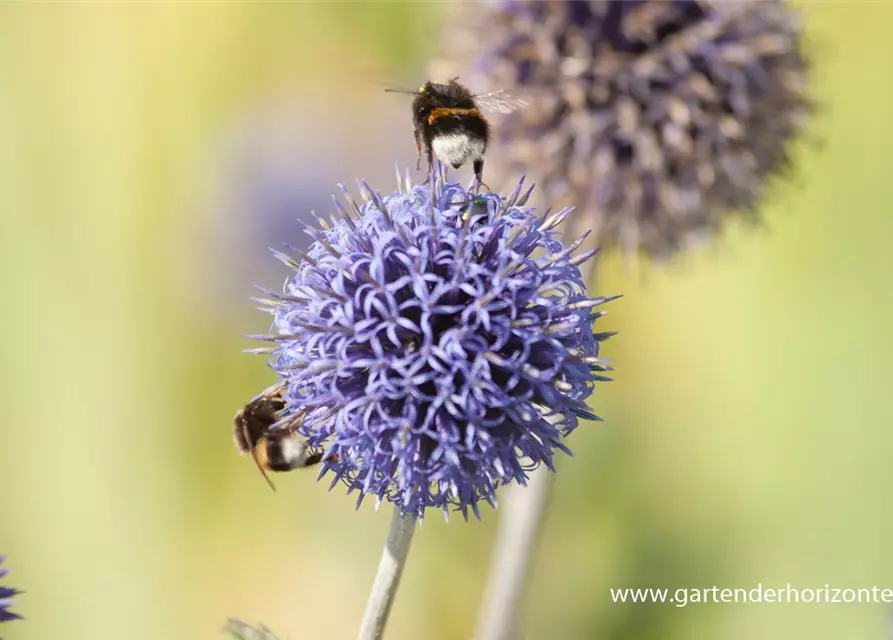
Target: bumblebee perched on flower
x=279 y=449
x=447 y=122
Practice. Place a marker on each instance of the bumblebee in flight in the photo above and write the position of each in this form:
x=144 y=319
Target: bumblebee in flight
x=448 y=123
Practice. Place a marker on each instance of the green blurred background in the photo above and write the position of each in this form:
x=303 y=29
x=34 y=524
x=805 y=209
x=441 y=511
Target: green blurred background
x=149 y=153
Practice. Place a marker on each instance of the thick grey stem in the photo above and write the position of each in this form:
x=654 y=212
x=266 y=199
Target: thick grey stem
x=521 y=518
x=393 y=559
x=888 y=633
x=519 y=528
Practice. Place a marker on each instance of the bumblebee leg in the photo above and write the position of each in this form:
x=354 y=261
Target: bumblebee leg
x=316 y=457
x=431 y=167
x=418 y=149
x=479 y=172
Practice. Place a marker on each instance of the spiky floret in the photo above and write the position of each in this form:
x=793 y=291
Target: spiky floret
x=656 y=118
x=440 y=346
x=6 y=598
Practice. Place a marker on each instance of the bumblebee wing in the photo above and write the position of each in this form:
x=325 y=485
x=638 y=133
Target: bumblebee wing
x=291 y=423
x=499 y=102
x=270 y=392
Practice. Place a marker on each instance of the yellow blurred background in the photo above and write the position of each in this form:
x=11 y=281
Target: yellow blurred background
x=149 y=153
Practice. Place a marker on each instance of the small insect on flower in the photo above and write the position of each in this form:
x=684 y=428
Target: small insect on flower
x=447 y=121
x=6 y=598
x=274 y=448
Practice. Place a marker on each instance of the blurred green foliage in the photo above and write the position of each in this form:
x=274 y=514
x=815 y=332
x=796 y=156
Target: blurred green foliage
x=747 y=436
x=238 y=630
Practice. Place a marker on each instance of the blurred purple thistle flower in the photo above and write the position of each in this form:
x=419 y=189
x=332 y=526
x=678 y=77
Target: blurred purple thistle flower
x=656 y=118
x=6 y=598
x=440 y=349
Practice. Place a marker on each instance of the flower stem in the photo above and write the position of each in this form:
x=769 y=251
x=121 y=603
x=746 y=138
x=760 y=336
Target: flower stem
x=516 y=539
x=384 y=589
x=520 y=523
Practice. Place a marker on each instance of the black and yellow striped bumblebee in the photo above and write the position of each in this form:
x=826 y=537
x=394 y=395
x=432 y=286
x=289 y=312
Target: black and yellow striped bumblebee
x=279 y=449
x=449 y=125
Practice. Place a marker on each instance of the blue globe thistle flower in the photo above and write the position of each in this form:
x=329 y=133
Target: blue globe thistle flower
x=6 y=597
x=657 y=118
x=436 y=348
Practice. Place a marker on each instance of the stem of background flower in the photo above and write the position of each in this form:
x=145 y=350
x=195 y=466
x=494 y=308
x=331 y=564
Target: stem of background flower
x=519 y=528
x=393 y=559
x=521 y=517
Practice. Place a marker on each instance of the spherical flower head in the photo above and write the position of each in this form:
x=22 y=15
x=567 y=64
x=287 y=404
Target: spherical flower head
x=6 y=598
x=657 y=118
x=436 y=347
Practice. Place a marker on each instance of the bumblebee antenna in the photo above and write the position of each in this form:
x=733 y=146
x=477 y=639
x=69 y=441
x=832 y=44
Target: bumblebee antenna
x=252 y=447
x=261 y=469
x=389 y=87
